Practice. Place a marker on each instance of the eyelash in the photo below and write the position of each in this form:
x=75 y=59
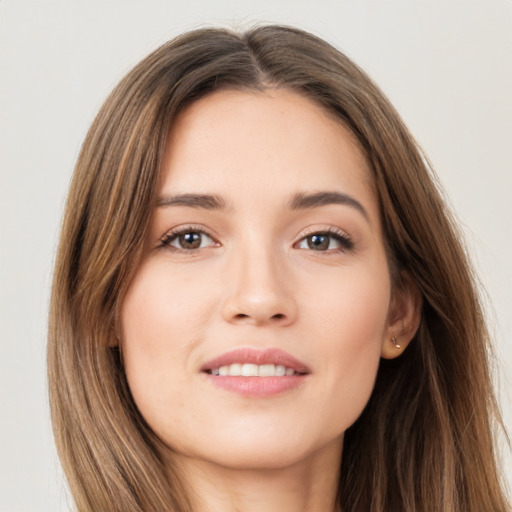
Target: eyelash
x=345 y=241
x=168 y=238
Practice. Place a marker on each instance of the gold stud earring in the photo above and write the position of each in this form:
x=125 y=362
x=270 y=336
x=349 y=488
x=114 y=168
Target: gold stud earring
x=395 y=342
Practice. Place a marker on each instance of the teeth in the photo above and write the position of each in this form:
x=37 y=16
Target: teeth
x=249 y=370
x=267 y=370
x=235 y=369
x=253 y=370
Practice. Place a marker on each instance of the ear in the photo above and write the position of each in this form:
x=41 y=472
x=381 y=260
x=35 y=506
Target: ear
x=114 y=340
x=403 y=318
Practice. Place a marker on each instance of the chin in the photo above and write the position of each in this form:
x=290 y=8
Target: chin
x=255 y=459
x=258 y=452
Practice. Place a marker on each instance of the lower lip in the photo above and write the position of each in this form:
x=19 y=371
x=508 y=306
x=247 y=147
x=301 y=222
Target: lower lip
x=257 y=387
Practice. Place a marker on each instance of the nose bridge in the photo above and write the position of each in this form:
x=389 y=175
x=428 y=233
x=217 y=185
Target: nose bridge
x=258 y=289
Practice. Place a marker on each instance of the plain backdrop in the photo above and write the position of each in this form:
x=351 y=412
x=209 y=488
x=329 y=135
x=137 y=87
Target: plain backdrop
x=446 y=66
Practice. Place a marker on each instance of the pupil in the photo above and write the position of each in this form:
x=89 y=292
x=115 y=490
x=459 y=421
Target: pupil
x=318 y=242
x=190 y=240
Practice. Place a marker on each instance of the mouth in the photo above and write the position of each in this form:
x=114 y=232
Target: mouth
x=253 y=370
x=256 y=373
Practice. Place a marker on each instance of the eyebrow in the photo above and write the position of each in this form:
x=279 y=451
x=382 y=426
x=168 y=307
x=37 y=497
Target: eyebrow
x=300 y=201
x=204 y=201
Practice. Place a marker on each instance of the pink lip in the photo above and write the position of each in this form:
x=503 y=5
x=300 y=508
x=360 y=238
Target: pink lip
x=257 y=387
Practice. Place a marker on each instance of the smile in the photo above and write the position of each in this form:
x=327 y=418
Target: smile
x=256 y=373
x=253 y=370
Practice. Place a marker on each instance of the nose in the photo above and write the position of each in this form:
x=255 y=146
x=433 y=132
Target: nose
x=259 y=290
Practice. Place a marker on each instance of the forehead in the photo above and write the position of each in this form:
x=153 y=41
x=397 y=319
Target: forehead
x=274 y=142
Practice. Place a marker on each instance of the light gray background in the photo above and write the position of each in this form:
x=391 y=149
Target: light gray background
x=447 y=67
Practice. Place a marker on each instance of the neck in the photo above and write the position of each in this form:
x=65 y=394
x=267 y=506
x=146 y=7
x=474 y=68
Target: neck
x=309 y=485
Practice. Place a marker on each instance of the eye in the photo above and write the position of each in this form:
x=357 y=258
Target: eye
x=326 y=241
x=187 y=239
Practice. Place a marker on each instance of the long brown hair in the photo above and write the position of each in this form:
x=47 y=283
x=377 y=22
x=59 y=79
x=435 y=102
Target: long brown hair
x=425 y=441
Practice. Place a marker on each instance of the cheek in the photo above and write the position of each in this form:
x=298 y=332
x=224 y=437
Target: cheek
x=162 y=320
x=162 y=306
x=354 y=313
x=353 y=306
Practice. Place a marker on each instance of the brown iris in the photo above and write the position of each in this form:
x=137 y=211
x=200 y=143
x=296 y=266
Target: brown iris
x=190 y=240
x=318 y=242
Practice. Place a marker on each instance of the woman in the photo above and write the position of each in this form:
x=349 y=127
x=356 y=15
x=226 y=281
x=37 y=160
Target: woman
x=260 y=300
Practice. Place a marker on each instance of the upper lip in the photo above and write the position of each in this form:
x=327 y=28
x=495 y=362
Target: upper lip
x=249 y=355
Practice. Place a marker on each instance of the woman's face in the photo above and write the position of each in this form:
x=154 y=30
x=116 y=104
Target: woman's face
x=266 y=257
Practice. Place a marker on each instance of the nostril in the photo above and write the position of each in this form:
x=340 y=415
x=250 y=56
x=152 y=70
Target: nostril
x=243 y=316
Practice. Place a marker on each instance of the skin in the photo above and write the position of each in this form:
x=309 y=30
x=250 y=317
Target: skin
x=255 y=281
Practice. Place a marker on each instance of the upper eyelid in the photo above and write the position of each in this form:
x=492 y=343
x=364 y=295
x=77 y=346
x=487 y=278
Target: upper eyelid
x=188 y=228
x=330 y=230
